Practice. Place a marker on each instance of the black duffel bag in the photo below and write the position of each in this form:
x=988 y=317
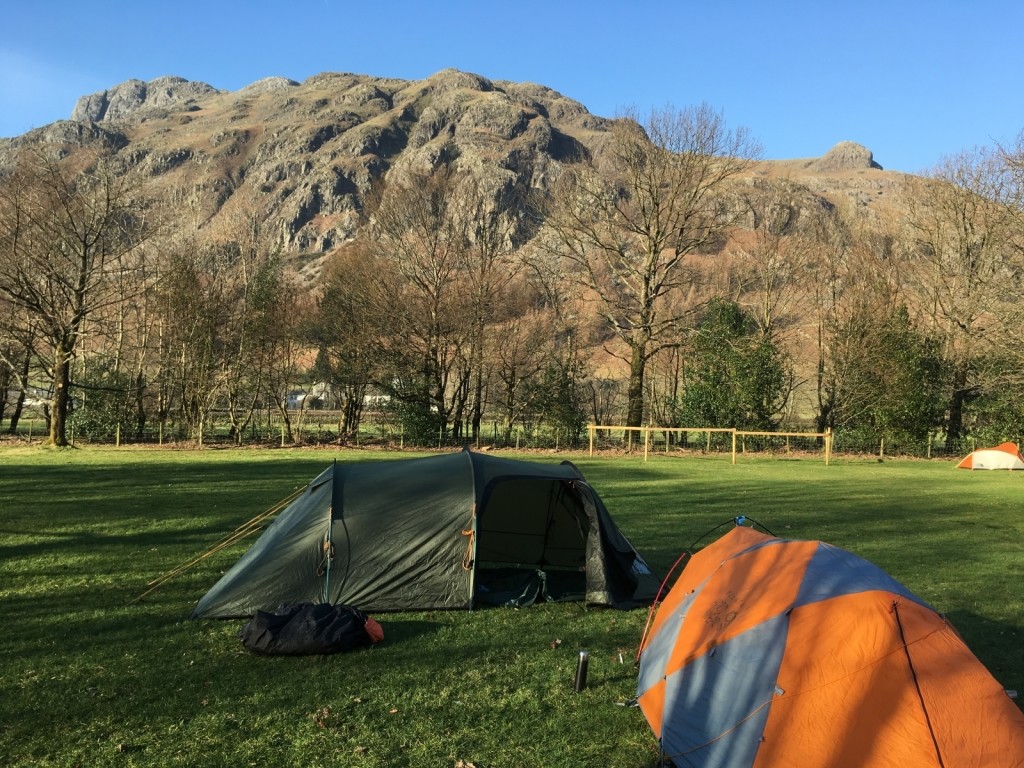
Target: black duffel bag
x=309 y=628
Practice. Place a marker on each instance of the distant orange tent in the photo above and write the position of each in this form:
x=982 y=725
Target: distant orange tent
x=1005 y=456
x=770 y=652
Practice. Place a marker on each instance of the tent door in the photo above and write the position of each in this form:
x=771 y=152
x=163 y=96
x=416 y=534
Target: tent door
x=531 y=542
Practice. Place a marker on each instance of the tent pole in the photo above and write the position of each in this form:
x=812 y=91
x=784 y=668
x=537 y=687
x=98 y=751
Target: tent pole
x=328 y=555
x=237 y=535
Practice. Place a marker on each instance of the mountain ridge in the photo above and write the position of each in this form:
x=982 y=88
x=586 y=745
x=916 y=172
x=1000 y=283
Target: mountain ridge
x=301 y=155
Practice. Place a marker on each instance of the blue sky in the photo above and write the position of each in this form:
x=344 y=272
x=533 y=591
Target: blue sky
x=914 y=81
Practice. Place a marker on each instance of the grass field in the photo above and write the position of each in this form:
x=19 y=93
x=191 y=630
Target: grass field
x=89 y=678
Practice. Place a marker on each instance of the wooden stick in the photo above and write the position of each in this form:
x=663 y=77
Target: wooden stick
x=246 y=529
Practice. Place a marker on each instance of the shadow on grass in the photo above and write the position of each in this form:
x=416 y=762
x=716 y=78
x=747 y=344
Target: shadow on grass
x=998 y=645
x=81 y=535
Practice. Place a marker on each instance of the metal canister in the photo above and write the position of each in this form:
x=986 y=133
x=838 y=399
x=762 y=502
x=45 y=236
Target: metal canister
x=581 y=670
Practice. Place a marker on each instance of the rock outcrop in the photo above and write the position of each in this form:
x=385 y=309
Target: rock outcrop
x=302 y=155
x=134 y=96
x=845 y=156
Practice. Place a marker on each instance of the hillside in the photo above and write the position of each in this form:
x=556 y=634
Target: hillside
x=302 y=155
x=286 y=165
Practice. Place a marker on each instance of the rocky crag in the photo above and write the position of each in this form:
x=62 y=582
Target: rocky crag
x=300 y=156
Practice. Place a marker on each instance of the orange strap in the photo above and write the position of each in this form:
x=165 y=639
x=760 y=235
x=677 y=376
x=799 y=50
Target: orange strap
x=467 y=560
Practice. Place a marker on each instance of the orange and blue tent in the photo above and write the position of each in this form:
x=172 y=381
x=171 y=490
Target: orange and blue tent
x=774 y=652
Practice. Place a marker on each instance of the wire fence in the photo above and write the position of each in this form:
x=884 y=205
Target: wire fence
x=321 y=428
x=736 y=442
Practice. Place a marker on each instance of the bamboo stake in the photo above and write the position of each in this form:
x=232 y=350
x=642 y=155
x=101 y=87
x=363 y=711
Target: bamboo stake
x=247 y=528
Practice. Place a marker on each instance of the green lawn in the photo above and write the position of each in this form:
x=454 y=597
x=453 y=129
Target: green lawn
x=89 y=678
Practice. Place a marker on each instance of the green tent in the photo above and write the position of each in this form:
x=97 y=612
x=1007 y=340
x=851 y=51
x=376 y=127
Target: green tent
x=447 y=531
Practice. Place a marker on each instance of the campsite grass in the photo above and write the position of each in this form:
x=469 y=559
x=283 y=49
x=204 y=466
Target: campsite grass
x=88 y=677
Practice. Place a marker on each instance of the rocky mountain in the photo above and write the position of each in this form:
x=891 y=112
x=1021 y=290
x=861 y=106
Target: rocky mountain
x=301 y=155
x=127 y=100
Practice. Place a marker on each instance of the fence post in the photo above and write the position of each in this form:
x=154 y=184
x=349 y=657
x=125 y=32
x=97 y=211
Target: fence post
x=590 y=432
x=647 y=441
x=733 y=445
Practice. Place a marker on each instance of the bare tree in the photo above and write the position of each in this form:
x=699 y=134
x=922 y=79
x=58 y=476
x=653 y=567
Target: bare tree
x=69 y=234
x=830 y=274
x=489 y=265
x=345 y=331
x=629 y=218
x=261 y=328
x=967 y=241
x=275 y=309
x=850 y=277
x=17 y=341
x=773 y=256
x=444 y=245
x=418 y=239
x=519 y=358
x=194 y=306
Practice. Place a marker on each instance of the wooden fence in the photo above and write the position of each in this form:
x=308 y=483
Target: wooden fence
x=736 y=434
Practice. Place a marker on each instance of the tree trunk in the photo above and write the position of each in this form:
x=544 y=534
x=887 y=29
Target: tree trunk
x=140 y=407
x=477 y=409
x=459 y=410
x=955 y=423
x=825 y=416
x=5 y=387
x=286 y=420
x=635 y=395
x=61 y=397
x=19 y=408
x=19 y=405
x=352 y=409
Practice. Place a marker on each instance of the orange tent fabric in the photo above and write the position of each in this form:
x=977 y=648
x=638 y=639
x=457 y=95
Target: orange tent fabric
x=770 y=652
x=1004 y=456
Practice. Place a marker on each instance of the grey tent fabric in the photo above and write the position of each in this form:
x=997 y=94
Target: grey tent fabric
x=435 y=533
